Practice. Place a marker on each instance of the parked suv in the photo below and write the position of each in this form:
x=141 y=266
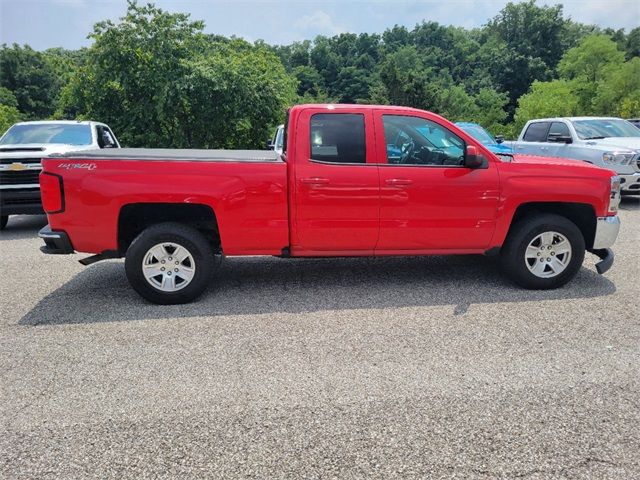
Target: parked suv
x=24 y=145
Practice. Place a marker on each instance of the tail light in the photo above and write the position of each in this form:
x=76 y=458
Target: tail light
x=52 y=192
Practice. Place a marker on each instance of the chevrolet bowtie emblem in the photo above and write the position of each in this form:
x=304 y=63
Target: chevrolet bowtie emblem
x=17 y=166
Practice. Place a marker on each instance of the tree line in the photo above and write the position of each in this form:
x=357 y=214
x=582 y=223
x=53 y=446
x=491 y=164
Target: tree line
x=158 y=80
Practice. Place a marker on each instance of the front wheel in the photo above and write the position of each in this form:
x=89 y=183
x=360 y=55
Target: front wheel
x=169 y=263
x=543 y=252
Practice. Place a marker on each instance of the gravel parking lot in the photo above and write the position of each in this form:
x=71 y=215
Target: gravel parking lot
x=366 y=368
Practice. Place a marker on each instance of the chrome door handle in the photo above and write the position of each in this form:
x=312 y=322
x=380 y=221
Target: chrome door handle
x=398 y=182
x=314 y=181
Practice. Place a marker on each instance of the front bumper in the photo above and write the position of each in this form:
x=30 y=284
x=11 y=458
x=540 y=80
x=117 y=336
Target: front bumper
x=630 y=183
x=55 y=242
x=607 y=229
x=20 y=201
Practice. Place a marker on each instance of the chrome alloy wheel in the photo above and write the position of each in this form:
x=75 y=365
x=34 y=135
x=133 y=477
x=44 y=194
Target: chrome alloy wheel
x=168 y=267
x=548 y=254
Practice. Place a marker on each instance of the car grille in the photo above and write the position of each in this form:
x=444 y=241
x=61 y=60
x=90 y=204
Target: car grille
x=20 y=177
x=9 y=161
x=19 y=201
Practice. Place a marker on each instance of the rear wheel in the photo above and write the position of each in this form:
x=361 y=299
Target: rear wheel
x=3 y=221
x=543 y=252
x=169 y=263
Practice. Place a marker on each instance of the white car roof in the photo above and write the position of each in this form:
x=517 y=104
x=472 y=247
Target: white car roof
x=573 y=118
x=68 y=122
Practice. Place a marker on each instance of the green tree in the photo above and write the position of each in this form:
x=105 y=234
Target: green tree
x=228 y=98
x=29 y=77
x=618 y=92
x=587 y=65
x=633 y=44
x=9 y=113
x=159 y=81
x=547 y=99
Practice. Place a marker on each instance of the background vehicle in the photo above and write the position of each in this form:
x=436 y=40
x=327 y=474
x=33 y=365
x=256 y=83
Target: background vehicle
x=611 y=143
x=340 y=189
x=277 y=142
x=24 y=145
x=495 y=144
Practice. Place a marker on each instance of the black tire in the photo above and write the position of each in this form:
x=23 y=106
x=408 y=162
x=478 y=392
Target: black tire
x=4 y=219
x=184 y=236
x=523 y=233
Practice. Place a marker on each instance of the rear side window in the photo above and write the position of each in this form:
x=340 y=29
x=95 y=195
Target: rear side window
x=338 y=138
x=536 y=132
x=559 y=129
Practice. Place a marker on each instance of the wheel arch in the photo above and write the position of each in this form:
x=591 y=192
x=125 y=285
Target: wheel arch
x=133 y=218
x=583 y=215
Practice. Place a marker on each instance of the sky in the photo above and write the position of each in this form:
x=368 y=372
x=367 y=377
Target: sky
x=44 y=24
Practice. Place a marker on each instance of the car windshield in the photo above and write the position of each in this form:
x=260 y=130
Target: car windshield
x=479 y=133
x=64 y=133
x=592 y=129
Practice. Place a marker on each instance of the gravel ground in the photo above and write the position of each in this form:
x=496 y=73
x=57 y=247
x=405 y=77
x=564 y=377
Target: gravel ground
x=346 y=368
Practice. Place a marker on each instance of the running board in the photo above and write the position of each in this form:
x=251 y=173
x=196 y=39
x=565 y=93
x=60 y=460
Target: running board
x=106 y=255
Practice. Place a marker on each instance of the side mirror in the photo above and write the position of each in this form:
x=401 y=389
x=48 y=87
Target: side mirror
x=473 y=158
x=499 y=138
x=270 y=145
x=559 y=138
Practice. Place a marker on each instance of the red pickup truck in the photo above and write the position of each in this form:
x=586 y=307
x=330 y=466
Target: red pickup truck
x=353 y=180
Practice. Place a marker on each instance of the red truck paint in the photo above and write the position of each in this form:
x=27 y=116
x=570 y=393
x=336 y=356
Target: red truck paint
x=372 y=209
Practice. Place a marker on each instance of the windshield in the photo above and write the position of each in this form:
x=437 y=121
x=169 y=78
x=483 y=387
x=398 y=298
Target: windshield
x=67 y=134
x=592 y=129
x=479 y=133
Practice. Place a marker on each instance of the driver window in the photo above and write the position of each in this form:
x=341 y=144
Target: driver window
x=417 y=141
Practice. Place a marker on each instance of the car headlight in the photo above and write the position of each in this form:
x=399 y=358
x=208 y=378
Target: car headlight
x=618 y=158
x=614 y=197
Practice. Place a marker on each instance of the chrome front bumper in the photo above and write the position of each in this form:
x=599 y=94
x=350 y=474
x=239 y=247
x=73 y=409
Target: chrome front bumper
x=607 y=229
x=630 y=183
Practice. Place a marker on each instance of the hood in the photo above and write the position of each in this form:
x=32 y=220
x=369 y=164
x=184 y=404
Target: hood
x=39 y=149
x=498 y=147
x=623 y=143
x=536 y=160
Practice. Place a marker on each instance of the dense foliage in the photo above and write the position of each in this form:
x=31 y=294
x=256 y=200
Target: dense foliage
x=158 y=80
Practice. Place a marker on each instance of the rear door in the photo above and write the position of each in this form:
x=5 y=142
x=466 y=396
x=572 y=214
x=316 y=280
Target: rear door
x=337 y=192
x=534 y=141
x=429 y=199
x=558 y=149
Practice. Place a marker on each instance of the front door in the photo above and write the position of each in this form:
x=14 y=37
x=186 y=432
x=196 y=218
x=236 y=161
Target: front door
x=429 y=199
x=337 y=194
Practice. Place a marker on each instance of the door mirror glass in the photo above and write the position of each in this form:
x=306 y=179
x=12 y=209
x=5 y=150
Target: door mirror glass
x=499 y=138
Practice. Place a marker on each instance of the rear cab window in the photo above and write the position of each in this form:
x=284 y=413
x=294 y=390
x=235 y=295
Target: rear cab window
x=338 y=138
x=536 y=132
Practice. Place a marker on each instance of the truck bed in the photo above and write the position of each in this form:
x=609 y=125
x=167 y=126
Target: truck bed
x=174 y=154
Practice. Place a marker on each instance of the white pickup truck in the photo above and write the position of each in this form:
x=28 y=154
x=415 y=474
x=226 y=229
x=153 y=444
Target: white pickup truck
x=610 y=143
x=24 y=145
